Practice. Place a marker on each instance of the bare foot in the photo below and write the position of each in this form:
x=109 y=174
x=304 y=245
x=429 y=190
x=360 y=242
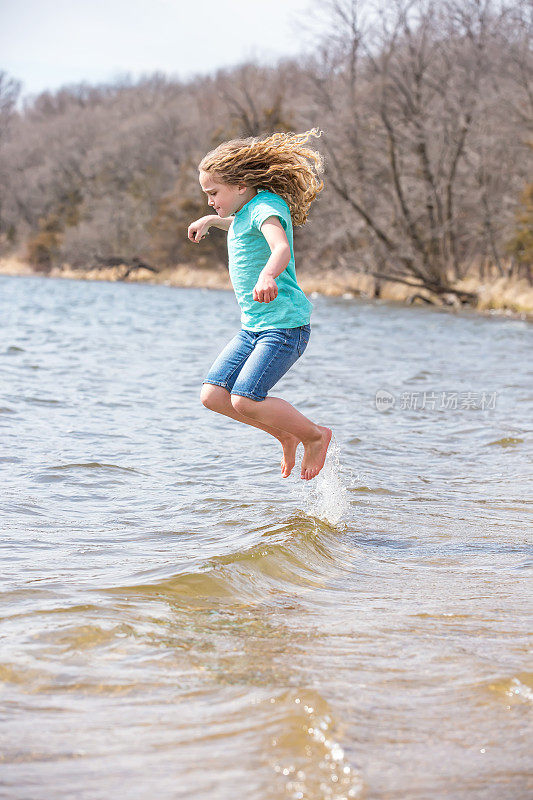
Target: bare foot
x=315 y=454
x=289 y=454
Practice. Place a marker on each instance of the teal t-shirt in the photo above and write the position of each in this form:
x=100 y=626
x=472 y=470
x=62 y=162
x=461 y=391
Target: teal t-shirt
x=248 y=252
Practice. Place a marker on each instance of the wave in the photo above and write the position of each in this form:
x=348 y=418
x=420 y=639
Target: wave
x=303 y=552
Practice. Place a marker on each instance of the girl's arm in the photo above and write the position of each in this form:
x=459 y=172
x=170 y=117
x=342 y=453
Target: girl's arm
x=198 y=229
x=220 y=222
x=266 y=288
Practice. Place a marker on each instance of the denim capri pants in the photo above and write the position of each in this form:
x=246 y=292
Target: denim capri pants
x=253 y=361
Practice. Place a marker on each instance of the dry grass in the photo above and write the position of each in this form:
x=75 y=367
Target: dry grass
x=502 y=293
x=14 y=266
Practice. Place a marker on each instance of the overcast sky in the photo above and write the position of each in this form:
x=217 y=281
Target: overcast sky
x=50 y=43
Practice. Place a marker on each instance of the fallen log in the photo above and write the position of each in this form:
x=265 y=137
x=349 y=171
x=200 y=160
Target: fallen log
x=130 y=264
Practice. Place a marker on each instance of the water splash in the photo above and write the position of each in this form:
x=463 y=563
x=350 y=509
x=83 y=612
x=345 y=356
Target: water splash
x=326 y=496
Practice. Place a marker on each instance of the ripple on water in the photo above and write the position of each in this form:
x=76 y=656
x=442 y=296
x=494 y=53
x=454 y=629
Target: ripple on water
x=45 y=401
x=93 y=465
x=518 y=689
x=306 y=757
x=74 y=473
x=507 y=441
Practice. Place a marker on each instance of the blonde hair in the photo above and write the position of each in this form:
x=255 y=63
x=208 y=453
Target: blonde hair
x=280 y=163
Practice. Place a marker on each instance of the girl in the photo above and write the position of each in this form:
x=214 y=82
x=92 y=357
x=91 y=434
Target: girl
x=258 y=188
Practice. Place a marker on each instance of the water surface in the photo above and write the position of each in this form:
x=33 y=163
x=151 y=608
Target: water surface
x=178 y=621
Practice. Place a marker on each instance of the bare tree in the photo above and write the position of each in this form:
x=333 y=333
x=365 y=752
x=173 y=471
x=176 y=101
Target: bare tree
x=411 y=90
x=9 y=93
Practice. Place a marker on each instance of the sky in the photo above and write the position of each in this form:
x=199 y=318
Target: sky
x=51 y=43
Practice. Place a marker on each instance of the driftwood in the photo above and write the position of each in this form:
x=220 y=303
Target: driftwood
x=428 y=300
x=441 y=290
x=130 y=264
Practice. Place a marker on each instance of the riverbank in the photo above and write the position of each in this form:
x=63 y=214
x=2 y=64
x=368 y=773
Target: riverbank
x=499 y=295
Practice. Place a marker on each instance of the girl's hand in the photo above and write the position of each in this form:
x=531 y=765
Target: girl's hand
x=197 y=230
x=265 y=289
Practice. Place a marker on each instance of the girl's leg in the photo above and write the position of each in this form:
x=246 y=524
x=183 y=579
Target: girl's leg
x=275 y=351
x=218 y=399
x=275 y=412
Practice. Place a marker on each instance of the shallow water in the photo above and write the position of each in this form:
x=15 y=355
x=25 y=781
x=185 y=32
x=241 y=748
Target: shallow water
x=180 y=622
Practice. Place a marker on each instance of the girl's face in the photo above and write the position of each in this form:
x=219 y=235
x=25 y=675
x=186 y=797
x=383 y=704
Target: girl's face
x=225 y=198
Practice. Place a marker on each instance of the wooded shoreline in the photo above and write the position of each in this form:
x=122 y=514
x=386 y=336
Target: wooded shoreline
x=510 y=296
x=422 y=118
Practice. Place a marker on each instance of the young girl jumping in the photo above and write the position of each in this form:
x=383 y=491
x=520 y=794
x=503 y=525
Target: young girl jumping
x=258 y=188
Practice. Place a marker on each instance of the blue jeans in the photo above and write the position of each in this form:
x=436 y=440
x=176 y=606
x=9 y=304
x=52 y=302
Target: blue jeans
x=254 y=361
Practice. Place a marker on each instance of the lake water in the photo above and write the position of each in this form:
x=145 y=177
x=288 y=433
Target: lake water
x=178 y=621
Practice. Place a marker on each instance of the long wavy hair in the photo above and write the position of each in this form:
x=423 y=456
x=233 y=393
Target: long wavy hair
x=280 y=163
